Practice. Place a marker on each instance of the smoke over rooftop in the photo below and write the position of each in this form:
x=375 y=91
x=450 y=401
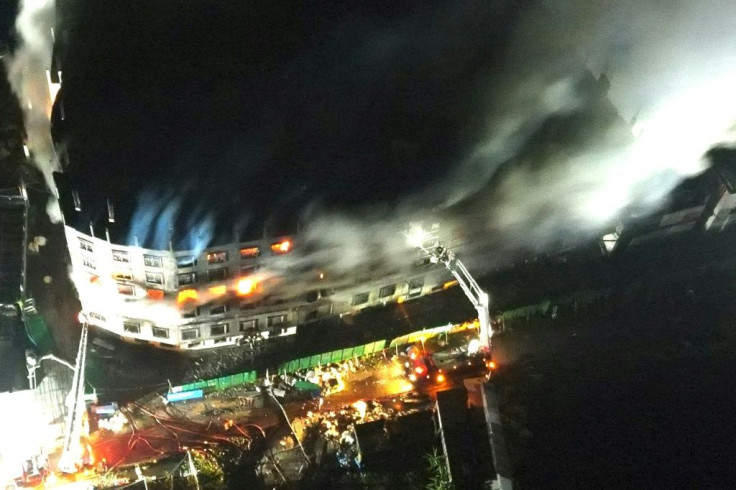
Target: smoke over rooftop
x=521 y=121
x=27 y=70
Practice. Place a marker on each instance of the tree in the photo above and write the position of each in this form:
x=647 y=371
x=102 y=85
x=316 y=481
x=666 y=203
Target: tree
x=439 y=477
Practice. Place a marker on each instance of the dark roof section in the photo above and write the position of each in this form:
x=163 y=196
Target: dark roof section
x=724 y=162
x=457 y=441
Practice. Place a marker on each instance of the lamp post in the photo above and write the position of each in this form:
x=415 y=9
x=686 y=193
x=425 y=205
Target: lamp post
x=269 y=390
x=32 y=365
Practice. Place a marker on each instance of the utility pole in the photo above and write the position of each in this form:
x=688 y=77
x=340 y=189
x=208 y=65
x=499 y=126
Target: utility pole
x=192 y=468
x=269 y=390
x=140 y=476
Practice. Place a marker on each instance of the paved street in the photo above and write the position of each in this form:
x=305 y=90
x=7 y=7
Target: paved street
x=155 y=429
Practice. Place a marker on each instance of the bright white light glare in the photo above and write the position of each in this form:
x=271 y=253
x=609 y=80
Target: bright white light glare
x=53 y=86
x=415 y=236
x=473 y=346
x=674 y=136
x=361 y=407
x=686 y=125
x=24 y=430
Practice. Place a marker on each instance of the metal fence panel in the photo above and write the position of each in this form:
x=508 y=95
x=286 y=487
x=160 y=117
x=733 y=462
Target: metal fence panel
x=314 y=360
x=378 y=345
x=184 y=395
x=347 y=353
x=325 y=359
x=358 y=351
x=336 y=356
x=304 y=363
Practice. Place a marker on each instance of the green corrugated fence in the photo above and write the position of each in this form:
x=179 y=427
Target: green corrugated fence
x=340 y=355
x=39 y=333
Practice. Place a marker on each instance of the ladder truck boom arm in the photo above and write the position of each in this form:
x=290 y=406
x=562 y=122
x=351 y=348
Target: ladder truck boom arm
x=470 y=287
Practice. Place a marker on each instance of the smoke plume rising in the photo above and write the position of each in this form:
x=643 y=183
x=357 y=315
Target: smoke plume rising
x=546 y=155
x=525 y=183
x=670 y=68
x=27 y=68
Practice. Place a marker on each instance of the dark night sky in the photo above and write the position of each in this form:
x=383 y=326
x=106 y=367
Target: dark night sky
x=274 y=106
x=245 y=114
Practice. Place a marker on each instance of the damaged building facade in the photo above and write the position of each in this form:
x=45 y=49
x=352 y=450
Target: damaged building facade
x=224 y=295
x=194 y=289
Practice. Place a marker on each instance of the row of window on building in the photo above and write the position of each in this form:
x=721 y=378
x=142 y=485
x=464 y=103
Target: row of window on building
x=185 y=278
x=415 y=289
x=216 y=257
x=220 y=274
x=245 y=326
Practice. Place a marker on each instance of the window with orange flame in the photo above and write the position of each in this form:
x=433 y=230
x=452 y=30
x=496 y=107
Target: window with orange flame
x=281 y=248
x=187 y=295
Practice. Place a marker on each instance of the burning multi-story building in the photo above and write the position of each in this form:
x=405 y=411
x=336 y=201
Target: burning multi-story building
x=224 y=294
x=162 y=275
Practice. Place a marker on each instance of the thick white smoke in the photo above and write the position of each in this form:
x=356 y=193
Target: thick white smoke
x=671 y=66
x=672 y=69
x=27 y=69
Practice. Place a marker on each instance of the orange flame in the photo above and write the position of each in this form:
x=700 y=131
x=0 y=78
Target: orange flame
x=281 y=247
x=218 y=290
x=245 y=286
x=187 y=295
x=249 y=252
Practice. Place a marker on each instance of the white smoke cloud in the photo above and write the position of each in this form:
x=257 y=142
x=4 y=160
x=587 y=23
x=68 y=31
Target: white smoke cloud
x=671 y=68
x=27 y=75
x=671 y=65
